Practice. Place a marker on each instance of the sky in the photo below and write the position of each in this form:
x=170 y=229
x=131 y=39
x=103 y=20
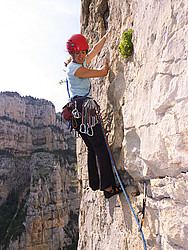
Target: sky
x=33 y=46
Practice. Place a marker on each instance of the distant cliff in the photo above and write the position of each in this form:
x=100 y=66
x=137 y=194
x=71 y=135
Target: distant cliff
x=144 y=103
x=39 y=201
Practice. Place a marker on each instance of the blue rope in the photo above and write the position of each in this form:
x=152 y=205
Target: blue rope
x=119 y=177
x=68 y=87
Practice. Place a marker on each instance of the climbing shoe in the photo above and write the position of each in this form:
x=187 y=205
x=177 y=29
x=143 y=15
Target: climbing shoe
x=114 y=191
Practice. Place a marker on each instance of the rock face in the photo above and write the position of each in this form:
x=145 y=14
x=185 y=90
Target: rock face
x=38 y=181
x=144 y=102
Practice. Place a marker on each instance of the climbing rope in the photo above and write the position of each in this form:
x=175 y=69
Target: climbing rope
x=118 y=177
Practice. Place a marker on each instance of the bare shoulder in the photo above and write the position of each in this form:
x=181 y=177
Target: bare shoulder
x=81 y=72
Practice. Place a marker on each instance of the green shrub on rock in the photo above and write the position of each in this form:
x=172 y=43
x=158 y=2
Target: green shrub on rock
x=126 y=45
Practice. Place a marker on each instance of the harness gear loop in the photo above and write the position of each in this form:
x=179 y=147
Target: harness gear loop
x=118 y=177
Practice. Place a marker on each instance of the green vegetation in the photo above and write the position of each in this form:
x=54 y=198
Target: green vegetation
x=62 y=81
x=12 y=216
x=74 y=181
x=126 y=45
x=76 y=167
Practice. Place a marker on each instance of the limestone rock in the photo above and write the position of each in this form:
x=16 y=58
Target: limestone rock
x=38 y=179
x=28 y=124
x=144 y=102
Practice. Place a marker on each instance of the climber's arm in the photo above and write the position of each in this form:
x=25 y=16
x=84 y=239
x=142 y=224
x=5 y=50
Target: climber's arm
x=96 y=49
x=83 y=72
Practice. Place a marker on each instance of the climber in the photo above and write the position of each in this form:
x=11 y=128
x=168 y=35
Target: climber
x=84 y=115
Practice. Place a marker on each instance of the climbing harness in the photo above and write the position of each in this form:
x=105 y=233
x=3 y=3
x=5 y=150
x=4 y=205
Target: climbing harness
x=88 y=113
x=118 y=177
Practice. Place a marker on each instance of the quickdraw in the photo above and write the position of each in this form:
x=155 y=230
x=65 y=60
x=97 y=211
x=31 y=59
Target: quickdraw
x=143 y=207
x=89 y=126
x=83 y=126
x=89 y=119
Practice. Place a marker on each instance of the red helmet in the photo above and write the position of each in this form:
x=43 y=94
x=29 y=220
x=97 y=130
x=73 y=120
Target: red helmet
x=77 y=42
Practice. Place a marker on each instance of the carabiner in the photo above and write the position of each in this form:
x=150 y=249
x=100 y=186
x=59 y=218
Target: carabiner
x=75 y=112
x=90 y=130
x=83 y=128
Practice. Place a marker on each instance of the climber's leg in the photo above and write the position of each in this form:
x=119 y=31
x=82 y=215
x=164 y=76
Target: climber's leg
x=92 y=167
x=103 y=162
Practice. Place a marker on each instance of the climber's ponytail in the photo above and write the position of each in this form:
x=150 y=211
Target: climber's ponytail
x=68 y=61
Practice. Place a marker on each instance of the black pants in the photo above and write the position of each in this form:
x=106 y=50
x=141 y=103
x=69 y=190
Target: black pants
x=99 y=164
